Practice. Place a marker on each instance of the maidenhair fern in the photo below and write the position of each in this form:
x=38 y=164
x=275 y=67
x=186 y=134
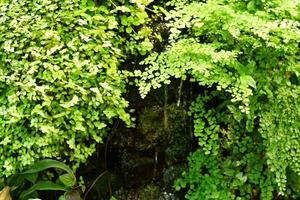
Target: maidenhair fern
x=248 y=53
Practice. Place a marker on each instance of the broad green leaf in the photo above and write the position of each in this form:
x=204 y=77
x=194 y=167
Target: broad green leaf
x=18 y=179
x=46 y=164
x=47 y=185
x=68 y=179
x=31 y=177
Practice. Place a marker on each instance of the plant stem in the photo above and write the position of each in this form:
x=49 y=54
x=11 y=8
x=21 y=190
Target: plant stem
x=93 y=184
x=179 y=93
x=166 y=124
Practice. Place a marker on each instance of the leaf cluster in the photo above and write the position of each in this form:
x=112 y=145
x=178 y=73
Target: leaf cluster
x=60 y=79
x=245 y=54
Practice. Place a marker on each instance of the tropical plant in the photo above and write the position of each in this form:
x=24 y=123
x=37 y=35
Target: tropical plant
x=25 y=185
x=245 y=57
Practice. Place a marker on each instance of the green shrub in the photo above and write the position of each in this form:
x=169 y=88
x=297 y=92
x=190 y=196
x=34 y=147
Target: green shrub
x=60 y=77
x=246 y=56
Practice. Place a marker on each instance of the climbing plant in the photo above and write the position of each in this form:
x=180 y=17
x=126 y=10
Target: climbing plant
x=245 y=56
x=60 y=77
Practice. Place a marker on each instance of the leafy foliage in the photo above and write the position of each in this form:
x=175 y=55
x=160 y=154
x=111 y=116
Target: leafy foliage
x=230 y=158
x=63 y=79
x=65 y=182
x=246 y=56
x=60 y=81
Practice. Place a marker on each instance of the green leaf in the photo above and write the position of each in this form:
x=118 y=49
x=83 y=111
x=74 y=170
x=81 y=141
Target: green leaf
x=31 y=177
x=18 y=179
x=47 y=185
x=62 y=197
x=46 y=164
x=113 y=198
x=68 y=179
x=128 y=29
x=248 y=80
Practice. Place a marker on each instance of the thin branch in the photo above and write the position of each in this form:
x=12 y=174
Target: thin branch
x=166 y=123
x=155 y=166
x=93 y=184
x=150 y=10
x=179 y=93
x=113 y=3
